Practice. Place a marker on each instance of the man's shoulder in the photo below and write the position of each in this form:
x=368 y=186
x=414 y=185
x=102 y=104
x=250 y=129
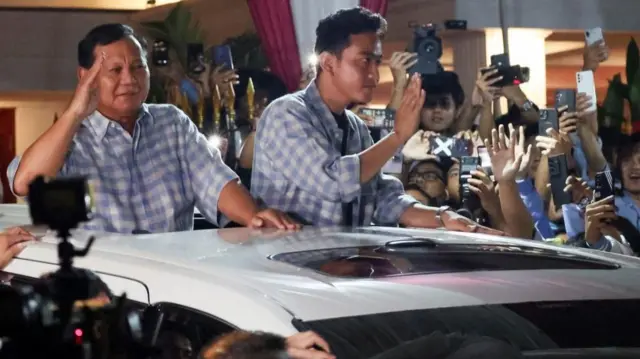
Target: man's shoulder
x=290 y=104
x=164 y=111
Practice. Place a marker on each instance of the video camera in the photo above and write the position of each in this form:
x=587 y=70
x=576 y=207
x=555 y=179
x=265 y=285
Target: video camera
x=511 y=75
x=428 y=46
x=55 y=318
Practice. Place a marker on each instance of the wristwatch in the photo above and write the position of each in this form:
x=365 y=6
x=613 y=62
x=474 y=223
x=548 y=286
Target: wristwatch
x=439 y=213
x=527 y=106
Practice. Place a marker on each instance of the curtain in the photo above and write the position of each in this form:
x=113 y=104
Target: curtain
x=274 y=22
x=377 y=6
x=306 y=16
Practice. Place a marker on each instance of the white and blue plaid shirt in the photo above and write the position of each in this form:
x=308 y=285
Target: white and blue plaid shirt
x=150 y=181
x=298 y=167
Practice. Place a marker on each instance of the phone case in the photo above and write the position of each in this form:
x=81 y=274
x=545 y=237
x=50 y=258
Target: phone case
x=566 y=97
x=593 y=35
x=587 y=84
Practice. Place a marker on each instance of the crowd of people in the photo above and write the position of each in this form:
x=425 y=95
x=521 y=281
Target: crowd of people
x=310 y=160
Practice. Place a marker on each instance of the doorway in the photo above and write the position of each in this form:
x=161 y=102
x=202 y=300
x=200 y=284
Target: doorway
x=7 y=149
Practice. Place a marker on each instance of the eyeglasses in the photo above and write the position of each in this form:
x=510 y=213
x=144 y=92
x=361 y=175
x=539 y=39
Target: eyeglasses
x=426 y=176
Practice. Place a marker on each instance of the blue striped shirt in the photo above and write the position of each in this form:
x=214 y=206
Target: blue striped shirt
x=298 y=167
x=151 y=180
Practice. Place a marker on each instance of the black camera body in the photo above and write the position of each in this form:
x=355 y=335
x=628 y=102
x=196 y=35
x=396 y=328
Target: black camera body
x=511 y=75
x=428 y=46
x=53 y=318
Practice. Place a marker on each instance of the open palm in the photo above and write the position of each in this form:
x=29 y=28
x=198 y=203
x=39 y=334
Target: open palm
x=505 y=162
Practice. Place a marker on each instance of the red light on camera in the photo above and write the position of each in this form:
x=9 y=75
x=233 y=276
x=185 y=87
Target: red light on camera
x=516 y=82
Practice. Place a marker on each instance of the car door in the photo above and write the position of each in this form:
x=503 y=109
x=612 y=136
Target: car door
x=30 y=270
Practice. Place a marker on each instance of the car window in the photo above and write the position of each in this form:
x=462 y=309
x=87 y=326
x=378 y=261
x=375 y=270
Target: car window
x=184 y=331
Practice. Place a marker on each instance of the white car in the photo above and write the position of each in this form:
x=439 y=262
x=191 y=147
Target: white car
x=368 y=290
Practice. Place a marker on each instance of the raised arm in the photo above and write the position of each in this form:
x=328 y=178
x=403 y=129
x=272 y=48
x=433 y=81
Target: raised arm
x=47 y=154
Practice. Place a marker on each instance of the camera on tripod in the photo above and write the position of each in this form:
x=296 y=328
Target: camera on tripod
x=428 y=46
x=59 y=317
x=511 y=75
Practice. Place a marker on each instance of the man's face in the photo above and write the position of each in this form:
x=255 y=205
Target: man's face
x=453 y=182
x=123 y=82
x=430 y=178
x=439 y=114
x=356 y=71
x=630 y=169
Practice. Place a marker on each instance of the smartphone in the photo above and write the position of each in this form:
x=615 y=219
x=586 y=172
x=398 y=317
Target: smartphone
x=558 y=167
x=222 y=56
x=587 y=84
x=160 y=53
x=469 y=199
x=604 y=186
x=593 y=35
x=195 y=58
x=548 y=119
x=444 y=146
x=566 y=97
x=485 y=160
x=382 y=118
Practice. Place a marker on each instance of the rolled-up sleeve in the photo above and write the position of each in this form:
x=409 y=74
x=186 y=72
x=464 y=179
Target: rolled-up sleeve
x=207 y=172
x=391 y=201
x=11 y=173
x=304 y=156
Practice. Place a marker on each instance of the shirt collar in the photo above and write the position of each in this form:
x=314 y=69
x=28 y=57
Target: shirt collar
x=99 y=124
x=313 y=99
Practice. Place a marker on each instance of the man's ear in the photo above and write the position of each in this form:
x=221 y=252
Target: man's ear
x=327 y=62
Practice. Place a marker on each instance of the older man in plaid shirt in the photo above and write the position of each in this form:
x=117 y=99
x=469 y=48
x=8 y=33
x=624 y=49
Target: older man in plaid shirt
x=317 y=161
x=148 y=164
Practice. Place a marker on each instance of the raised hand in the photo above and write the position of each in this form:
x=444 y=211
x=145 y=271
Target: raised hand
x=597 y=217
x=484 y=92
x=418 y=147
x=303 y=346
x=522 y=150
x=482 y=185
x=579 y=189
x=408 y=114
x=554 y=144
x=400 y=64
x=85 y=97
x=502 y=152
x=595 y=54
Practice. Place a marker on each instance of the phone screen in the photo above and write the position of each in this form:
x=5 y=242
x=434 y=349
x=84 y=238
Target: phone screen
x=485 y=160
x=195 y=58
x=222 y=56
x=160 y=53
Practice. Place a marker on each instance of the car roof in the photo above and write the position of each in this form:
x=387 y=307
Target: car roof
x=237 y=260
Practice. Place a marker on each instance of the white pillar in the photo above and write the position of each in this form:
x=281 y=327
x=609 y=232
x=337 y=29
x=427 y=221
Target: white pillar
x=469 y=55
x=526 y=48
x=306 y=16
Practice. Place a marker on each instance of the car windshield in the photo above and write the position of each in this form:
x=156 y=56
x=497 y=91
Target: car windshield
x=530 y=327
x=423 y=256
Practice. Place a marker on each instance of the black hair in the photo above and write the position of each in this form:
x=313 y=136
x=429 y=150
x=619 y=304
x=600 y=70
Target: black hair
x=264 y=81
x=443 y=84
x=247 y=345
x=334 y=31
x=104 y=35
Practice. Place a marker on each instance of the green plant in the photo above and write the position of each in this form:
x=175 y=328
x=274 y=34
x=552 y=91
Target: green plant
x=620 y=95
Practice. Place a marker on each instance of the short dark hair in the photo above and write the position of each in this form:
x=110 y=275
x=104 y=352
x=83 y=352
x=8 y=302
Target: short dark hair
x=104 y=35
x=443 y=84
x=334 y=31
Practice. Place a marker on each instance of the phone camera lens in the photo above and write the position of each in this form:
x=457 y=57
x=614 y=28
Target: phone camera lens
x=588 y=33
